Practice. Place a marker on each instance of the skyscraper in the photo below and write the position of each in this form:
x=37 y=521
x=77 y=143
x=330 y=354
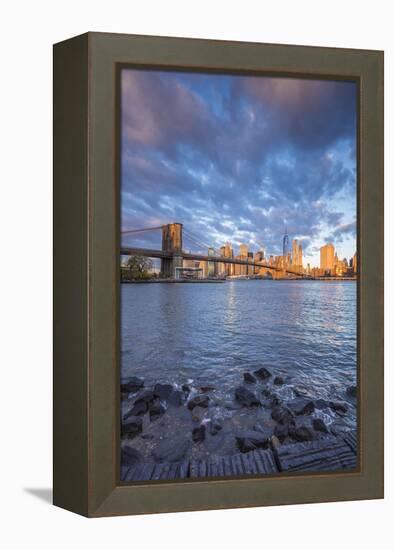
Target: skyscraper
x=327 y=257
x=297 y=254
x=285 y=244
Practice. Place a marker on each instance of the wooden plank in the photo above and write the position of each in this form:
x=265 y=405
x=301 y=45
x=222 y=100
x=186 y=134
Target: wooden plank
x=165 y=471
x=239 y=465
x=203 y=469
x=318 y=455
x=157 y=471
x=351 y=439
x=228 y=469
x=124 y=471
x=184 y=470
x=221 y=468
x=194 y=468
x=268 y=464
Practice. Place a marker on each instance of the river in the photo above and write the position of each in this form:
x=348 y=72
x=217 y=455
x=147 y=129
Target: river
x=210 y=334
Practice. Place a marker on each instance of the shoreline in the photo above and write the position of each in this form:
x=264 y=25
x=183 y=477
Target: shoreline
x=170 y=431
x=206 y=281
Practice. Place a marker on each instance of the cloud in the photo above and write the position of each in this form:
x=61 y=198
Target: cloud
x=239 y=158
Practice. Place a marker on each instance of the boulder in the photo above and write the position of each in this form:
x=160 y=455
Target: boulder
x=319 y=425
x=130 y=456
x=198 y=401
x=198 y=413
x=215 y=427
x=301 y=433
x=246 y=397
x=352 y=391
x=282 y=415
x=199 y=433
x=262 y=373
x=156 y=411
x=207 y=389
x=301 y=392
x=251 y=440
x=139 y=408
x=278 y=381
x=338 y=406
x=162 y=391
x=132 y=385
x=321 y=403
x=173 y=449
x=301 y=405
x=132 y=427
x=175 y=399
x=281 y=431
x=145 y=396
x=248 y=377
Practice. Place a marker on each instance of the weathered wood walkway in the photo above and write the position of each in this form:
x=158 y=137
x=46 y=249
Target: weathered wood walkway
x=328 y=454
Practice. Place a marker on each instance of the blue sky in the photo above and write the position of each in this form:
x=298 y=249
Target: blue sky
x=239 y=159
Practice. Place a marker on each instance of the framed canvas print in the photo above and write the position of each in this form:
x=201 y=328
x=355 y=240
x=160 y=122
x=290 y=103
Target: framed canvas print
x=218 y=274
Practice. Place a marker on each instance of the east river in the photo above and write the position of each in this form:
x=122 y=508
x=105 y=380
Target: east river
x=210 y=334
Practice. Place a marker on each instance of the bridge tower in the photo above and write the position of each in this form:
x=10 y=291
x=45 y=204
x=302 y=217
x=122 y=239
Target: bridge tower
x=172 y=241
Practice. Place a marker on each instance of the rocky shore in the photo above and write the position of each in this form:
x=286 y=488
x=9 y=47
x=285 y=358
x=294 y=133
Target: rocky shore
x=265 y=425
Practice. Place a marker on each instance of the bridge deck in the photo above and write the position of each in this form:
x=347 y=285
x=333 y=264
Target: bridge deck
x=163 y=254
x=329 y=454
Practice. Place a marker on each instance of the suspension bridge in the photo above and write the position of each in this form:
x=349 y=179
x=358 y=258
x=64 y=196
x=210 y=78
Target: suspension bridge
x=172 y=253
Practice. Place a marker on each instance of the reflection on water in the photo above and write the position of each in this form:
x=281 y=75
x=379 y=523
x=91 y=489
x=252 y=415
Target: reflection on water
x=211 y=333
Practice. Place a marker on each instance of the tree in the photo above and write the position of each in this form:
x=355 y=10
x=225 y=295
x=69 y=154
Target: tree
x=139 y=267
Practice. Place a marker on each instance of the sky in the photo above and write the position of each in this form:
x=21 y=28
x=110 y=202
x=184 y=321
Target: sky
x=240 y=159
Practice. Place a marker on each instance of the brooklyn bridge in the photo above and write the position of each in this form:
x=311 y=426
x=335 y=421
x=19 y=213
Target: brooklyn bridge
x=172 y=253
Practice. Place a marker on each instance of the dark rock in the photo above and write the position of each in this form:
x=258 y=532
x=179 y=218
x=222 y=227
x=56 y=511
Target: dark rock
x=215 y=427
x=198 y=401
x=132 y=385
x=321 y=403
x=156 y=411
x=275 y=401
x=302 y=392
x=246 y=397
x=281 y=431
x=319 y=425
x=266 y=392
x=302 y=405
x=146 y=396
x=198 y=413
x=338 y=407
x=187 y=389
x=352 y=391
x=302 y=433
x=248 y=377
x=199 y=433
x=282 y=415
x=139 y=408
x=251 y=440
x=206 y=389
x=262 y=373
x=147 y=436
x=130 y=456
x=171 y=450
x=176 y=398
x=162 y=391
x=132 y=428
x=278 y=381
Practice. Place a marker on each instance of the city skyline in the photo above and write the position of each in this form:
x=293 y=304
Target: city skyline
x=241 y=159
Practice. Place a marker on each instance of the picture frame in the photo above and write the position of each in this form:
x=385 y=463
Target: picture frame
x=86 y=428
